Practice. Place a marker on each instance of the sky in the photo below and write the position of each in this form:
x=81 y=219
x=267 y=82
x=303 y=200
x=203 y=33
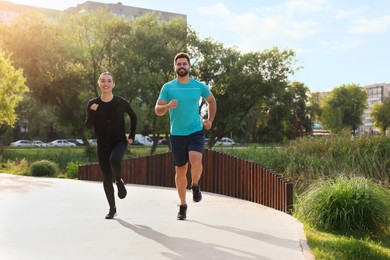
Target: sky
x=336 y=41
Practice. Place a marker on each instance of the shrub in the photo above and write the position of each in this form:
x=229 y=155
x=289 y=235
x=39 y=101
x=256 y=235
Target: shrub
x=20 y=167
x=346 y=205
x=72 y=170
x=44 y=168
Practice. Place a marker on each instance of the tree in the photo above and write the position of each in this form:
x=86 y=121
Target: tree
x=90 y=38
x=343 y=108
x=55 y=79
x=145 y=63
x=380 y=114
x=239 y=82
x=12 y=88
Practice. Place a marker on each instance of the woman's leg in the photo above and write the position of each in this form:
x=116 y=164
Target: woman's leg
x=104 y=153
x=117 y=153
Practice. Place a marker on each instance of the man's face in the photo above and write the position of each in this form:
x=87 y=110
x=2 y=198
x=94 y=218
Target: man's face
x=182 y=68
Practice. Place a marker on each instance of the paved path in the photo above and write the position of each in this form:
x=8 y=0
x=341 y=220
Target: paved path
x=48 y=218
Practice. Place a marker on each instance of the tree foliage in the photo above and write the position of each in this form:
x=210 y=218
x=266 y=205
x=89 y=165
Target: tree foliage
x=12 y=88
x=343 y=108
x=240 y=82
x=380 y=114
x=64 y=58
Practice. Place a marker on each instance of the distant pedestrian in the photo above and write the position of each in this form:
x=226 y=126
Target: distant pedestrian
x=106 y=114
x=181 y=98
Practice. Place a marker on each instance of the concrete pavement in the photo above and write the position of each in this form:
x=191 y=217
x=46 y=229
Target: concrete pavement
x=48 y=218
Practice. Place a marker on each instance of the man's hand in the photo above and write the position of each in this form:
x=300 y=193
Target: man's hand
x=207 y=124
x=172 y=104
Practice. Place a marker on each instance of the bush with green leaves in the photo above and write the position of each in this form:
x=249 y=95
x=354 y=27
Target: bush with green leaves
x=345 y=205
x=72 y=170
x=44 y=168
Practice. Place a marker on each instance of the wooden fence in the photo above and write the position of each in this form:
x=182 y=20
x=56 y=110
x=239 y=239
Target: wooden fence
x=222 y=174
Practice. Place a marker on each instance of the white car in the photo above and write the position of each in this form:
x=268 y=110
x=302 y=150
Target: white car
x=92 y=141
x=61 y=142
x=22 y=143
x=225 y=141
x=39 y=143
x=145 y=140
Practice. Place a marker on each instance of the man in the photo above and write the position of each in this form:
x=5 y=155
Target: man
x=181 y=98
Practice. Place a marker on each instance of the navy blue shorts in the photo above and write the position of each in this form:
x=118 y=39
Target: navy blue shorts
x=182 y=145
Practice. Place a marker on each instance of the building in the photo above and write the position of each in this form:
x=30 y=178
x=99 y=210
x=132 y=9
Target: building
x=122 y=10
x=376 y=93
x=10 y=11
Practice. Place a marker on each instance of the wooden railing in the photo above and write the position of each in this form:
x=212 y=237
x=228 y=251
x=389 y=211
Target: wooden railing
x=222 y=174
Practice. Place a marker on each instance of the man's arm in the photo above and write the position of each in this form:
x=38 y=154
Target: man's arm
x=212 y=109
x=163 y=106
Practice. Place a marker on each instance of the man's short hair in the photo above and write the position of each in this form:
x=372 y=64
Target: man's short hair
x=181 y=55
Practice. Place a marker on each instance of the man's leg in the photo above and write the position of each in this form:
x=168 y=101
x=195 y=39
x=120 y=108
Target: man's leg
x=181 y=182
x=196 y=172
x=196 y=166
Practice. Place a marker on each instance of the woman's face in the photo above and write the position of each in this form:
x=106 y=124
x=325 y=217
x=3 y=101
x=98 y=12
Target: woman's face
x=106 y=83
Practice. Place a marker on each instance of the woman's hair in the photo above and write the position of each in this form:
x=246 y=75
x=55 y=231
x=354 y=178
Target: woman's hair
x=181 y=55
x=106 y=73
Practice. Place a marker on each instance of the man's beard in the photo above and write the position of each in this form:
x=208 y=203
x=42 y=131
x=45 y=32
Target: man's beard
x=182 y=72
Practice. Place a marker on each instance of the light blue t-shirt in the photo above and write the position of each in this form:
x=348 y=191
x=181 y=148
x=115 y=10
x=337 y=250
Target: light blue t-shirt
x=185 y=118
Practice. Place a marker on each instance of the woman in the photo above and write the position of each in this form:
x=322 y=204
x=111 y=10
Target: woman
x=106 y=115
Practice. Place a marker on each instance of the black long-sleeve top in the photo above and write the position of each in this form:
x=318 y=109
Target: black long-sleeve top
x=108 y=121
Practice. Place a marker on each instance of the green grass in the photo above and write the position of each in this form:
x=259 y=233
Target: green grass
x=18 y=160
x=346 y=205
x=331 y=246
x=308 y=159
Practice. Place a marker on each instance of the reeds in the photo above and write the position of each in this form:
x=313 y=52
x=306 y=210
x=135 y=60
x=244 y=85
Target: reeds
x=312 y=158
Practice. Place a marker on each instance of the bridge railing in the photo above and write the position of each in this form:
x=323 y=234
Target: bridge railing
x=222 y=174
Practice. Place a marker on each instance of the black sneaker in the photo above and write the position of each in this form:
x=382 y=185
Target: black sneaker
x=111 y=214
x=196 y=194
x=121 y=189
x=182 y=212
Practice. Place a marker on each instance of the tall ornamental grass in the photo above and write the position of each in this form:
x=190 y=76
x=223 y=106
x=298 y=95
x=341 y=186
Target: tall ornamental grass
x=311 y=158
x=346 y=205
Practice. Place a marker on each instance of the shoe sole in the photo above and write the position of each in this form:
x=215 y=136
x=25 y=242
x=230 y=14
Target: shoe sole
x=111 y=217
x=197 y=199
x=122 y=194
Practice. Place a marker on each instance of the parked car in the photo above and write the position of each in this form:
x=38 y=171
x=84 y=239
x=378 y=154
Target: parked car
x=77 y=142
x=61 y=142
x=22 y=143
x=163 y=141
x=39 y=143
x=225 y=141
x=145 y=140
x=135 y=142
x=92 y=141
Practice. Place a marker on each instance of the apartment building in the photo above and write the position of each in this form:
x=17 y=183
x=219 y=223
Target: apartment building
x=10 y=11
x=122 y=10
x=376 y=93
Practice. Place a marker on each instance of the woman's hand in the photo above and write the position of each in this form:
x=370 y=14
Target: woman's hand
x=129 y=140
x=94 y=107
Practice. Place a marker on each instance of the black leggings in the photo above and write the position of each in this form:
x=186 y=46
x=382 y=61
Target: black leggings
x=110 y=161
